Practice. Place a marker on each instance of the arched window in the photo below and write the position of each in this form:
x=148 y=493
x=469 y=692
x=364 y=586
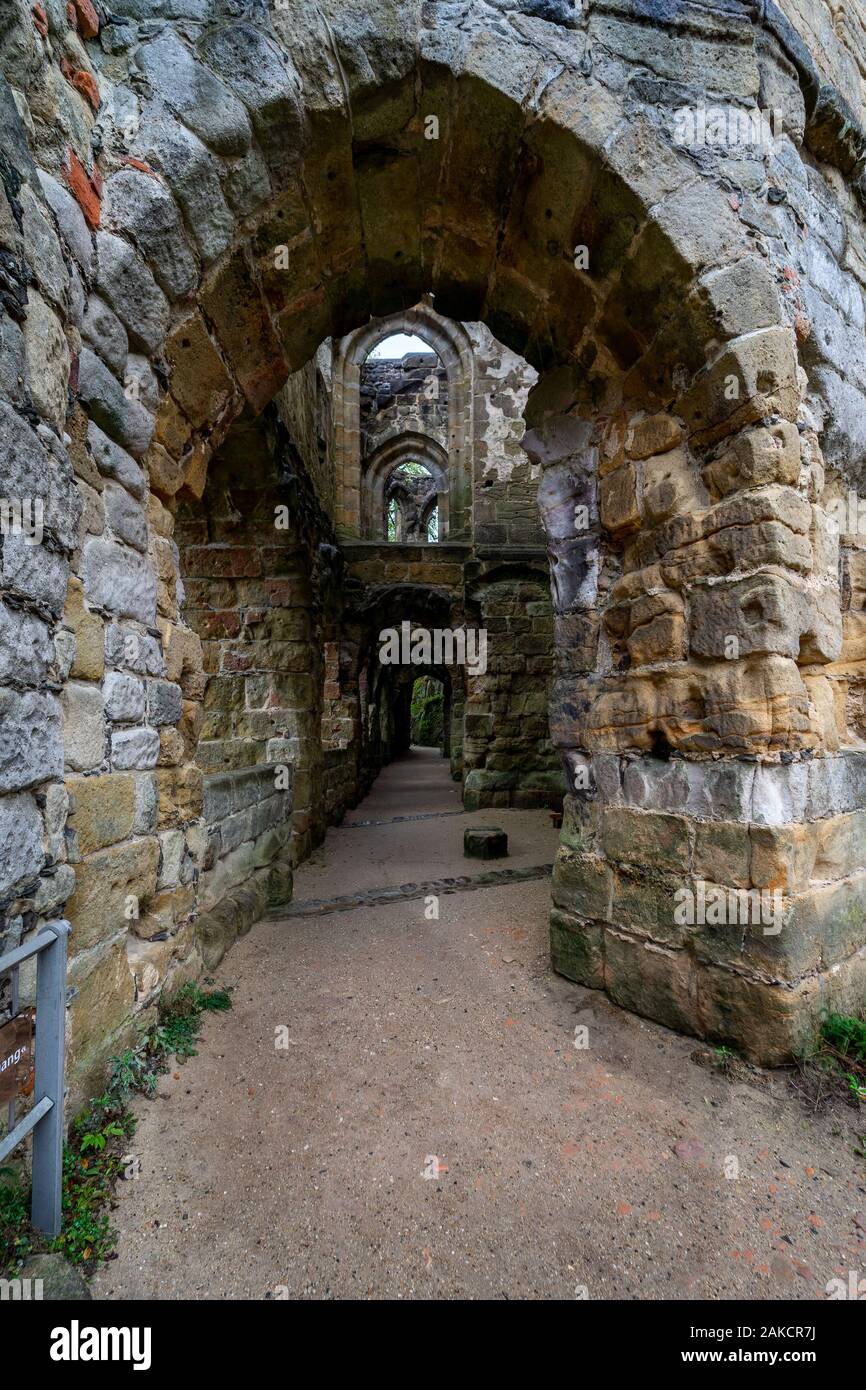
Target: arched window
x=410 y=496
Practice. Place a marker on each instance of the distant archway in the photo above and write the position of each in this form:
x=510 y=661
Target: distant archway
x=417 y=448
x=450 y=342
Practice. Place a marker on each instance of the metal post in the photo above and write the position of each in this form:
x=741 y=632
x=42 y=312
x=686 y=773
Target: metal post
x=50 y=1081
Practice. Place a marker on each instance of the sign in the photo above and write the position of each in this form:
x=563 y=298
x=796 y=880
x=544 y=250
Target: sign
x=16 y=1056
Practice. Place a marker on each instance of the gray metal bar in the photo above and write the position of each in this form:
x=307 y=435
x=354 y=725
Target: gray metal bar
x=12 y=1109
x=50 y=1059
x=32 y=948
x=23 y=1128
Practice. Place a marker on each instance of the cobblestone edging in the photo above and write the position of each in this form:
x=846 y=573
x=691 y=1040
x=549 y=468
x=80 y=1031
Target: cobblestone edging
x=396 y=820
x=346 y=902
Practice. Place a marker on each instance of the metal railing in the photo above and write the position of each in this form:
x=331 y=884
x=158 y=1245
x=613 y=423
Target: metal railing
x=45 y=1117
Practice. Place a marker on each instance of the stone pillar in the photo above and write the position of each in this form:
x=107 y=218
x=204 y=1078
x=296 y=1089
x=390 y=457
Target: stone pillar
x=710 y=872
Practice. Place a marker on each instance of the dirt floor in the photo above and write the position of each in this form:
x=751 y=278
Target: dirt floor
x=430 y=1130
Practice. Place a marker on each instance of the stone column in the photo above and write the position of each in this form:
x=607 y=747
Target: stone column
x=710 y=870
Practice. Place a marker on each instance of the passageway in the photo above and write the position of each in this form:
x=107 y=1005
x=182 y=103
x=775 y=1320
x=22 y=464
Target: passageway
x=429 y=1128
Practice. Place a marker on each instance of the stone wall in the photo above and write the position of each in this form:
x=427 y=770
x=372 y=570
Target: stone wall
x=196 y=196
x=409 y=393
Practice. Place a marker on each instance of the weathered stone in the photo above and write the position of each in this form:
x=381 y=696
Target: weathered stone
x=577 y=949
x=260 y=72
x=125 y=517
x=203 y=103
x=102 y=329
x=47 y=354
x=31 y=739
x=87 y=628
x=25 y=647
x=99 y=1017
x=124 y=697
x=83 y=726
x=137 y=651
x=769 y=454
x=134 y=748
x=112 y=886
x=192 y=173
x=118 y=580
x=163 y=702
x=114 y=462
x=124 y=420
x=43 y=249
x=140 y=203
x=35 y=572
x=126 y=282
x=21 y=853
x=101 y=810
x=70 y=220
x=652 y=434
x=644 y=837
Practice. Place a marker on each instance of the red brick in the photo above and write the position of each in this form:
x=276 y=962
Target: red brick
x=140 y=165
x=230 y=561
x=83 y=82
x=88 y=19
x=85 y=188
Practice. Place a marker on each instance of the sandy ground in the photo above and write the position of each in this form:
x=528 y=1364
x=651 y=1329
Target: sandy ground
x=429 y=1129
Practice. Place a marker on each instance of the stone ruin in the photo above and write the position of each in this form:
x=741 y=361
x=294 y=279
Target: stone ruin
x=645 y=450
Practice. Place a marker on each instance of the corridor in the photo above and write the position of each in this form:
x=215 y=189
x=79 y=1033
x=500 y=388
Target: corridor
x=429 y=1129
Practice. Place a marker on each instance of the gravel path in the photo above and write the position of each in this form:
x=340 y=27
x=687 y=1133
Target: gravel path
x=430 y=1130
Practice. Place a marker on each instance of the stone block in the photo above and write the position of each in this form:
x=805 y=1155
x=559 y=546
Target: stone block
x=124 y=420
x=722 y=852
x=26 y=651
x=124 y=697
x=650 y=980
x=31 y=739
x=83 y=726
x=141 y=204
x=112 y=888
x=87 y=628
x=102 y=329
x=114 y=462
x=757 y=457
x=21 y=852
x=99 y=1017
x=134 y=748
x=101 y=810
x=164 y=702
x=127 y=284
x=577 y=949
x=119 y=581
x=645 y=837
x=583 y=884
x=125 y=517
x=484 y=842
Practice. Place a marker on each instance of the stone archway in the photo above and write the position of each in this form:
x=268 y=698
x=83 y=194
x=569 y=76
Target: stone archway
x=408 y=446
x=265 y=183
x=451 y=344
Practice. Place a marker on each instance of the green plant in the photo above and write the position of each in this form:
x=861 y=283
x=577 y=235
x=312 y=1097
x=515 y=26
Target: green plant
x=845 y=1035
x=15 y=1233
x=98 y=1139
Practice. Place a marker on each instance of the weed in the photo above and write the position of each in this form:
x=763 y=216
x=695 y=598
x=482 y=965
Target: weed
x=95 y=1152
